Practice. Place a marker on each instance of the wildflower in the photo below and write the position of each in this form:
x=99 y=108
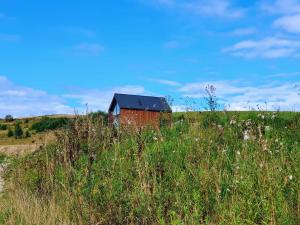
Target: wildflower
x=197 y=139
x=237 y=167
x=238 y=152
x=232 y=122
x=291 y=177
x=273 y=116
x=246 y=135
x=219 y=126
x=248 y=122
x=155 y=138
x=267 y=128
x=276 y=140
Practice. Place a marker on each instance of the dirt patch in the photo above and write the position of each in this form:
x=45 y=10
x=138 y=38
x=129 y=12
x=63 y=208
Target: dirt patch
x=19 y=149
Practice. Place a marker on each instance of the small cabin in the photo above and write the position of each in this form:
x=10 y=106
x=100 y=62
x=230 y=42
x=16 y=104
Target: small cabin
x=139 y=111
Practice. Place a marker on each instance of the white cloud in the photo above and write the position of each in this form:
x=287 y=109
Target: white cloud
x=92 y=49
x=214 y=8
x=265 y=48
x=80 y=31
x=239 y=96
x=24 y=101
x=166 y=82
x=243 y=31
x=281 y=6
x=100 y=99
x=288 y=23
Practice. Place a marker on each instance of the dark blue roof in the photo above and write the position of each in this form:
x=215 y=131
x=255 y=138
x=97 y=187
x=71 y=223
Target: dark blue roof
x=138 y=102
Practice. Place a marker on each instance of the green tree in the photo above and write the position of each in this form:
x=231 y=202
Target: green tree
x=18 y=131
x=9 y=118
x=10 y=133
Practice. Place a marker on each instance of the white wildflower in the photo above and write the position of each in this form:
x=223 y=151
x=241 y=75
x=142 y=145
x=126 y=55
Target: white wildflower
x=267 y=128
x=197 y=139
x=246 y=135
x=232 y=122
x=155 y=139
x=248 y=122
x=291 y=177
x=238 y=152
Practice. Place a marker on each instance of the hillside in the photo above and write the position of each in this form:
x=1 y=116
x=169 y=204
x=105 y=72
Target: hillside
x=209 y=168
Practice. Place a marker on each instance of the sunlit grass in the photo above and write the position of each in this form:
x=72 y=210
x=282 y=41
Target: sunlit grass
x=209 y=168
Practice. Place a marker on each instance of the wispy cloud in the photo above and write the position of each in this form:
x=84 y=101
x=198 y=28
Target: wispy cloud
x=9 y=37
x=100 y=99
x=281 y=6
x=23 y=101
x=166 y=82
x=81 y=31
x=265 y=48
x=288 y=23
x=92 y=49
x=243 y=31
x=214 y=8
x=239 y=96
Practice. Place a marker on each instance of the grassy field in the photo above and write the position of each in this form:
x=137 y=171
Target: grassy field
x=209 y=168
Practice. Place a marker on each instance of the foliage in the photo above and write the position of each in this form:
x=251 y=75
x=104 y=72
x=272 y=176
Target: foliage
x=10 y=133
x=18 y=133
x=2 y=158
x=3 y=127
x=47 y=123
x=9 y=118
x=239 y=169
x=27 y=134
x=211 y=98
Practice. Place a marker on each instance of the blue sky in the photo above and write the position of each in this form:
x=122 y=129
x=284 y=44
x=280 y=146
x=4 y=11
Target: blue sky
x=57 y=56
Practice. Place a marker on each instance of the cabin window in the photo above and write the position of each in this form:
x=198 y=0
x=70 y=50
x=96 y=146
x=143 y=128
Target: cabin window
x=116 y=114
x=116 y=111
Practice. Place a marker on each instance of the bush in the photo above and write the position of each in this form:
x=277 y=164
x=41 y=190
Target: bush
x=27 y=134
x=47 y=123
x=9 y=118
x=18 y=131
x=10 y=133
x=3 y=127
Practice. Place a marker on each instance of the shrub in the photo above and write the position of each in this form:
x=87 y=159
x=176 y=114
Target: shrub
x=27 y=134
x=47 y=123
x=3 y=127
x=10 y=133
x=9 y=118
x=18 y=131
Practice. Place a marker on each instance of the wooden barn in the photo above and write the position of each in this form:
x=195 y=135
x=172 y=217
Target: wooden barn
x=139 y=111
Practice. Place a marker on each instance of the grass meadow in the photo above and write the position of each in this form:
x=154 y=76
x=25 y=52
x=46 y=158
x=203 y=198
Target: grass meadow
x=208 y=168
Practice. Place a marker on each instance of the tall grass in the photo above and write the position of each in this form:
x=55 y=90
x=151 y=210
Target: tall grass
x=209 y=168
